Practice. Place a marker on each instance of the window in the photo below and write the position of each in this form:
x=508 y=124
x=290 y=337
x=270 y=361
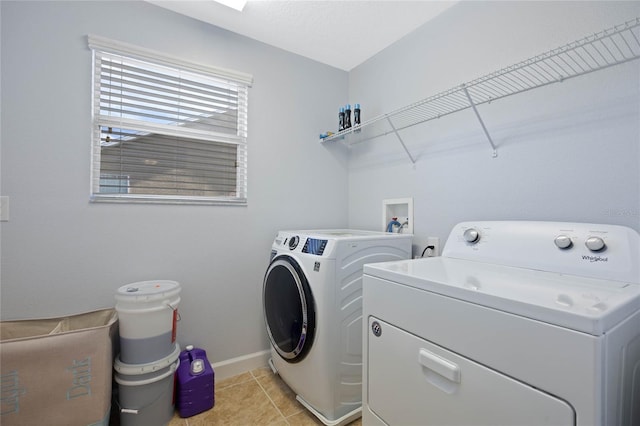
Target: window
x=165 y=130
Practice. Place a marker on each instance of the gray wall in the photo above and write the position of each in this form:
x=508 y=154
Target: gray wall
x=61 y=254
x=566 y=152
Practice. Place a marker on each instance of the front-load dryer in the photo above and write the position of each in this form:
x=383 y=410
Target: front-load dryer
x=312 y=298
x=517 y=323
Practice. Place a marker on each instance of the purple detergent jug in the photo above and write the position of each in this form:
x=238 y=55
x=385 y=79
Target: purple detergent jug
x=195 y=383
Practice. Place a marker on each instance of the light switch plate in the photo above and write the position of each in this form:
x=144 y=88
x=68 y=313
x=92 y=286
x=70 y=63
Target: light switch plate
x=4 y=209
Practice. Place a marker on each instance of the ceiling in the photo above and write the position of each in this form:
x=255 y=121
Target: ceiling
x=340 y=33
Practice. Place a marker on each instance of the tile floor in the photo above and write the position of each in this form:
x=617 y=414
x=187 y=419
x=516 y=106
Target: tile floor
x=255 y=398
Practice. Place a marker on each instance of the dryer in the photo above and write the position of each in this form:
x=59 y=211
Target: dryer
x=518 y=323
x=312 y=299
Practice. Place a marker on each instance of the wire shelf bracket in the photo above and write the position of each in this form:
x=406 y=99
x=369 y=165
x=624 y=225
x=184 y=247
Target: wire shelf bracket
x=602 y=50
x=484 y=128
x=413 y=161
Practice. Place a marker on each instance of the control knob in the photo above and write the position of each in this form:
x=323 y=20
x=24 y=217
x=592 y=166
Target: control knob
x=595 y=244
x=563 y=242
x=471 y=236
x=293 y=242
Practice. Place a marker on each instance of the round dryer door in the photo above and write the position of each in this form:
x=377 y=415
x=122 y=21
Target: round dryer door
x=288 y=309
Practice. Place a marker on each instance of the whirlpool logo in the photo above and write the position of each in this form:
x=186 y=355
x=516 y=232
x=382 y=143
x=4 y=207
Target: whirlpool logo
x=595 y=258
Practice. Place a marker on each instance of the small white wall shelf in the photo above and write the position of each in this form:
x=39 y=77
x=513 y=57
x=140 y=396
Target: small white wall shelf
x=602 y=50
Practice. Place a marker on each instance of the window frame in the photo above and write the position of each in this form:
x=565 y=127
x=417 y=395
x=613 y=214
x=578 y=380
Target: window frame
x=100 y=45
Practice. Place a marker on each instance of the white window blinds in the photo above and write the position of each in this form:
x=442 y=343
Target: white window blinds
x=166 y=130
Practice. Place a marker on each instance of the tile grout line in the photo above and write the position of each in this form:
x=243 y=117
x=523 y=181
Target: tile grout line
x=270 y=400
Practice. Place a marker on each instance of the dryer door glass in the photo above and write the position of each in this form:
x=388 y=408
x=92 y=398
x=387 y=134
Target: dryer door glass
x=288 y=308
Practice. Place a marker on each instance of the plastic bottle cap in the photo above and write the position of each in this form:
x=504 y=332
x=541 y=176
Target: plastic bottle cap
x=341 y=109
x=189 y=347
x=347 y=106
x=357 y=106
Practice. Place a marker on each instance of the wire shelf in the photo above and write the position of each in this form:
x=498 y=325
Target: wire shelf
x=599 y=51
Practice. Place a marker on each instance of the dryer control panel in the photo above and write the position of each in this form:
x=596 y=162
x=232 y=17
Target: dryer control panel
x=590 y=250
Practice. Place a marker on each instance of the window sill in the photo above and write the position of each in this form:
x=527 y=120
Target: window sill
x=151 y=199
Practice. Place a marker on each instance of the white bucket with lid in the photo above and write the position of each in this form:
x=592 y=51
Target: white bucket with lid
x=148 y=316
x=146 y=391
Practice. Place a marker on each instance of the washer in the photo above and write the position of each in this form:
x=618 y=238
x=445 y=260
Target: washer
x=312 y=298
x=517 y=323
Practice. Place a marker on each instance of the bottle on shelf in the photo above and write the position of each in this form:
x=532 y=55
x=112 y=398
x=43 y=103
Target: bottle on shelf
x=356 y=117
x=347 y=116
x=341 y=120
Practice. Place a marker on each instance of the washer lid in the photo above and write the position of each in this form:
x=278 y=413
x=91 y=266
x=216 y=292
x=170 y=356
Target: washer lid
x=588 y=305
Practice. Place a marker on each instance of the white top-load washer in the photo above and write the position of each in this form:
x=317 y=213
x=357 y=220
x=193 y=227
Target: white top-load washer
x=517 y=323
x=312 y=298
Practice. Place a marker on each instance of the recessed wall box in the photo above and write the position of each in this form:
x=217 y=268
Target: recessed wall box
x=400 y=208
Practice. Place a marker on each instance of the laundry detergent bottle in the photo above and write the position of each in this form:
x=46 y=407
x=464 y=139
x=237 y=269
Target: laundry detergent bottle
x=195 y=387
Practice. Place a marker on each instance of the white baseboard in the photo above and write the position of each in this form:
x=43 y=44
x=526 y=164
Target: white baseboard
x=241 y=364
